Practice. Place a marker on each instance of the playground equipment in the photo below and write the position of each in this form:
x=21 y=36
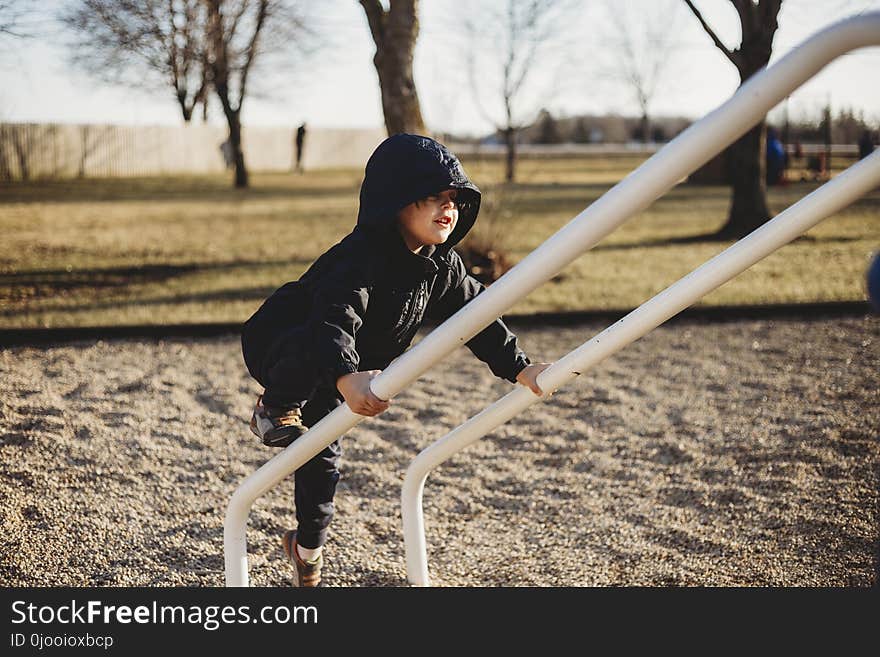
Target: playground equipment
x=686 y=153
x=800 y=217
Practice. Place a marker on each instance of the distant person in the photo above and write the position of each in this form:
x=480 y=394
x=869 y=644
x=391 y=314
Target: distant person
x=866 y=144
x=300 y=144
x=775 y=158
x=816 y=166
x=226 y=152
x=319 y=341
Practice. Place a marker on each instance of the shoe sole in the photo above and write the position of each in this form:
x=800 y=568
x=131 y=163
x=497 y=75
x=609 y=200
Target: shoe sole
x=282 y=440
x=288 y=543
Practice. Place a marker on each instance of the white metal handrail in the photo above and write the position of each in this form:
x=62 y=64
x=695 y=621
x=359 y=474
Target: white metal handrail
x=680 y=157
x=797 y=219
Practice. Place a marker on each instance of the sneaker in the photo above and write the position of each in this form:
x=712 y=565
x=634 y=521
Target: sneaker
x=277 y=427
x=308 y=573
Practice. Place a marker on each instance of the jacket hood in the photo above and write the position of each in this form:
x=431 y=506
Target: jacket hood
x=405 y=168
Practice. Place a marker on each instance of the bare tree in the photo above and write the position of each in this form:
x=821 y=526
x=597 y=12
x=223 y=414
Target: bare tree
x=122 y=40
x=233 y=35
x=506 y=48
x=394 y=32
x=238 y=34
x=745 y=157
x=192 y=45
x=640 y=51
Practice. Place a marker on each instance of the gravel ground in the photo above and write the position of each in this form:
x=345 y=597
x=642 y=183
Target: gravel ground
x=736 y=453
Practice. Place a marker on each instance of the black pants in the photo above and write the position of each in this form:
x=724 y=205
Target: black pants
x=290 y=377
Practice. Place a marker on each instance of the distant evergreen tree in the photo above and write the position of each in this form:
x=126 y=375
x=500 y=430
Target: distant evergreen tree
x=548 y=130
x=580 y=134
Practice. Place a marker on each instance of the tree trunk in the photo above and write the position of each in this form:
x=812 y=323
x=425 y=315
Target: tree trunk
x=826 y=134
x=510 y=142
x=184 y=108
x=746 y=169
x=84 y=153
x=395 y=33
x=241 y=174
x=745 y=157
x=400 y=101
x=21 y=152
x=5 y=135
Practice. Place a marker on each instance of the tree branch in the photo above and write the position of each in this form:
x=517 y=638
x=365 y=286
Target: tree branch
x=14 y=19
x=748 y=17
x=376 y=18
x=471 y=29
x=718 y=43
x=233 y=26
x=252 y=48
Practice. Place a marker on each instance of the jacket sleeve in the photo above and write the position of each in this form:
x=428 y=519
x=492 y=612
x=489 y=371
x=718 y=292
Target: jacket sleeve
x=495 y=345
x=337 y=313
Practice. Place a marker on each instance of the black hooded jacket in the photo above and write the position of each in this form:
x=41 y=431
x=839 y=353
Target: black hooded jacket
x=360 y=304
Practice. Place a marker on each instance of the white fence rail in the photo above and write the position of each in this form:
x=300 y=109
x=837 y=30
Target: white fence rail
x=30 y=151
x=675 y=161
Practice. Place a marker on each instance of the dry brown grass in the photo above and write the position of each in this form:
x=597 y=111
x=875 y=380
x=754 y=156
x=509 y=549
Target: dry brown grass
x=177 y=250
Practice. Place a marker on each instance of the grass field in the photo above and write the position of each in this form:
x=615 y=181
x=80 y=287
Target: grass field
x=192 y=249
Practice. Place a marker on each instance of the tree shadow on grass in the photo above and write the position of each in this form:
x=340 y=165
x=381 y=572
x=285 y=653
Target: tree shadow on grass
x=236 y=294
x=710 y=238
x=158 y=190
x=107 y=277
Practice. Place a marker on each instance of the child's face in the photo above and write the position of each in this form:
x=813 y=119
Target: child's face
x=429 y=221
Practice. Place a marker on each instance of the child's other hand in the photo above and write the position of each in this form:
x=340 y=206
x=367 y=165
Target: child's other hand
x=355 y=388
x=529 y=377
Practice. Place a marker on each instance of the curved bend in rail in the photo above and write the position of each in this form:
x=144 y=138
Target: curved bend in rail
x=680 y=157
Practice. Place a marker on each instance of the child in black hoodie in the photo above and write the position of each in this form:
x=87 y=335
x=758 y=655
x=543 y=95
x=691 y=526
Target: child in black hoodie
x=320 y=340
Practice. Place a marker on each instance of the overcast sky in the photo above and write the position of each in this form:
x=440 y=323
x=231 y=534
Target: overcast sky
x=340 y=88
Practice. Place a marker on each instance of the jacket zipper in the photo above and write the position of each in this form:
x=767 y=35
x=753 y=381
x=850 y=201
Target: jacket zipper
x=416 y=305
